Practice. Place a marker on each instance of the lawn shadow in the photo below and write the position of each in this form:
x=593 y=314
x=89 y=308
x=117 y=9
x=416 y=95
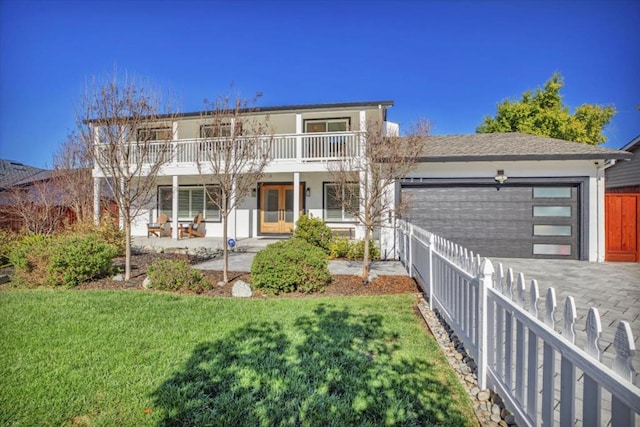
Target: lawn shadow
x=340 y=369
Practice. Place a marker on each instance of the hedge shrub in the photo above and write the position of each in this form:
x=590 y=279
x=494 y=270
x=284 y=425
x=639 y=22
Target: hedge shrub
x=290 y=265
x=341 y=247
x=176 y=275
x=108 y=230
x=60 y=261
x=76 y=259
x=7 y=237
x=313 y=231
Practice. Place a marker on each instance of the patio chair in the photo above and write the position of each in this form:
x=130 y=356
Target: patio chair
x=160 y=228
x=194 y=229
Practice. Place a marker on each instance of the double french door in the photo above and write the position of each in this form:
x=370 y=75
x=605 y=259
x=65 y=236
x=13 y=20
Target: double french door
x=276 y=208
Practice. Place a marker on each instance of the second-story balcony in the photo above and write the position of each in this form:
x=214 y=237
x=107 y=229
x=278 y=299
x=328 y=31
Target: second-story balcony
x=314 y=147
x=285 y=148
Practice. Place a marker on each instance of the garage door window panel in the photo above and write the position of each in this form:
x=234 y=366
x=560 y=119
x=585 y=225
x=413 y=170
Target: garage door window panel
x=553 y=211
x=551 y=230
x=551 y=192
x=551 y=249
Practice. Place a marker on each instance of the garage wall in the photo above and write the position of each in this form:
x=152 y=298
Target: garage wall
x=590 y=196
x=511 y=222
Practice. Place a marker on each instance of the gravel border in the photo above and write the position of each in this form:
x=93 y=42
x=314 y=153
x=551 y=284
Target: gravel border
x=488 y=405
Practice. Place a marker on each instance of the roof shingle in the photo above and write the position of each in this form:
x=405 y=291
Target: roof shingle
x=511 y=146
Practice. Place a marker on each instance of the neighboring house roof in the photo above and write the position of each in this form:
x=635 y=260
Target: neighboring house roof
x=634 y=143
x=625 y=175
x=511 y=146
x=15 y=173
x=43 y=175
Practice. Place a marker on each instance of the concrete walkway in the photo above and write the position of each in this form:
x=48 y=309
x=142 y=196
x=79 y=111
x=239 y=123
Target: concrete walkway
x=241 y=261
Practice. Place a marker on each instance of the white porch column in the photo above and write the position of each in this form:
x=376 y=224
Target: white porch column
x=96 y=200
x=174 y=143
x=387 y=233
x=364 y=181
x=296 y=198
x=232 y=229
x=299 y=131
x=174 y=208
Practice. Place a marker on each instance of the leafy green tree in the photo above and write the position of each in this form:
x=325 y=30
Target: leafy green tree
x=542 y=113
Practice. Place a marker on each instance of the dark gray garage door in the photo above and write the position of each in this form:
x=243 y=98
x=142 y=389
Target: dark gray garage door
x=516 y=221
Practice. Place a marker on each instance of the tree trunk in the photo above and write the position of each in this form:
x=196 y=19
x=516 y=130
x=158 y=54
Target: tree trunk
x=365 y=257
x=127 y=251
x=225 y=249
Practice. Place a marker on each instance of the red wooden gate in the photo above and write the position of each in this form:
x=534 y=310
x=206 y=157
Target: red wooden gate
x=622 y=214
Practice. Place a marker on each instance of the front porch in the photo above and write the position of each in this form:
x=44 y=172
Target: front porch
x=270 y=211
x=212 y=244
x=242 y=256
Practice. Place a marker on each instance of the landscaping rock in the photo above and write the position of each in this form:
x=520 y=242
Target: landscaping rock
x=483 y=395
x=485 y=402
x=146 y=283
x=241 y=289
x=118 y=277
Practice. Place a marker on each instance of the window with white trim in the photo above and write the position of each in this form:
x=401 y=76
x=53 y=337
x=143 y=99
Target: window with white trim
x=155 y=134
x=334 y=209
x=191 y=202
x=219 y=130
x=326 y=125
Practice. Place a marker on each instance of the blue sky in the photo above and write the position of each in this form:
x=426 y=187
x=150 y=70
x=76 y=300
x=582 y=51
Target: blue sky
x=450 y=62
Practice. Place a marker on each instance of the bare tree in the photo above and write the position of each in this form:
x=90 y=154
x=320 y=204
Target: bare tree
x=72 y=171
x=37 y=207
x=129 y=133
x=365 y=181
x=235 y=148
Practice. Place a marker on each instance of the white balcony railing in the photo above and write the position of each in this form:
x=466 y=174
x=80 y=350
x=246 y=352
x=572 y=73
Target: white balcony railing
x=316 y=147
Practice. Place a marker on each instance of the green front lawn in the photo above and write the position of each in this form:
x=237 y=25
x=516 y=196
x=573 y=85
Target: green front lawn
x=142 y=358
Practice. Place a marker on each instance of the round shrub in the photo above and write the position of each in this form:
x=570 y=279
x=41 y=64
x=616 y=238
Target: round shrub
x=290 y=265
x=75 y=259
x=313 y=231
x=176 y=275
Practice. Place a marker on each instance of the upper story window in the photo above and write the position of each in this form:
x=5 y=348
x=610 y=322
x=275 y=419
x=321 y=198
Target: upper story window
x=221 y=130
x=326 y=125
x=155 y=134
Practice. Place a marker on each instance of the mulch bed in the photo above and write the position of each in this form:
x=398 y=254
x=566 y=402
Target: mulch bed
x=341 y=285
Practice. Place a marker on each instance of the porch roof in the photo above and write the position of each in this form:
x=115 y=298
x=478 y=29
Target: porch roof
x=511 y=146
x=283 y=108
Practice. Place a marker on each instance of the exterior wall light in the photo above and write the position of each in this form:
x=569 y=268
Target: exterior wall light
x=500 y=177
x=308 y=191
x=254 y=192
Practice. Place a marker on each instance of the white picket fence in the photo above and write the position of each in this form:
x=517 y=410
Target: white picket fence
x=541 y=374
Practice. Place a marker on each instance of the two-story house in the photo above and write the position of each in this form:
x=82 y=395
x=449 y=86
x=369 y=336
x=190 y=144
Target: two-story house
x=500 y=195
x=297 y=179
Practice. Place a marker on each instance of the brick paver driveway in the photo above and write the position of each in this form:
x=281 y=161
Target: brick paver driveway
x=612 y=288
